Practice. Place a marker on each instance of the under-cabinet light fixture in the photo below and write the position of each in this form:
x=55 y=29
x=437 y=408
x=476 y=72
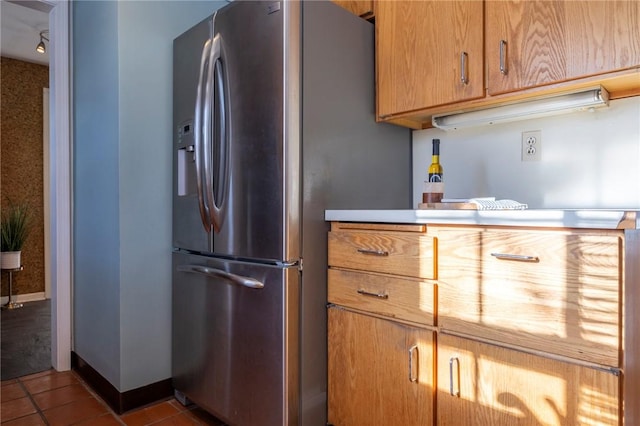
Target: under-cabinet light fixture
x=570 y=102
x=41 y=48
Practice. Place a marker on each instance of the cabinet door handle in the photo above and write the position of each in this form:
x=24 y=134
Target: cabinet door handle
x=380 y=295
x=373 y=252
x=453 y=360
x=518 y=257
x=413 y=349
x=464 y=75
x=503 y=57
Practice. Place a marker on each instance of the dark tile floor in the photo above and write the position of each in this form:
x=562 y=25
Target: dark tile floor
x=62 y=399
x=25 y=339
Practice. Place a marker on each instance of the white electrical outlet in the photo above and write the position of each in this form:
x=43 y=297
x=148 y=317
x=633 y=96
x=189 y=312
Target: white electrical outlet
x=532 y=145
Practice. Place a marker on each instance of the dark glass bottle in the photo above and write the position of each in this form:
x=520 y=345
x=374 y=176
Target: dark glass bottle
x=434 y=186
x=435 y=169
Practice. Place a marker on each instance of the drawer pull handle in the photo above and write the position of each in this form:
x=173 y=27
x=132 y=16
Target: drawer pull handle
x=451 y=361
x=368 y=293
x=374 y=252
x=413 y=379
x=521 y=258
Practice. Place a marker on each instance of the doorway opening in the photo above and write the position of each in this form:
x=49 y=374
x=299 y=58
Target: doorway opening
x=58 y=168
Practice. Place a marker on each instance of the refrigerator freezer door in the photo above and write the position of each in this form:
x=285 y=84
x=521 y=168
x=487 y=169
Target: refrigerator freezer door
x=251 y=57
x=235 y=339
x=242 y=152
x=190 y=219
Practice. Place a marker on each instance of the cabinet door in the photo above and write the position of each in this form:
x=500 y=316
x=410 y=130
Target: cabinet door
x=545 y=42
x=423 y=50
x=380 y=372
x=480 y=384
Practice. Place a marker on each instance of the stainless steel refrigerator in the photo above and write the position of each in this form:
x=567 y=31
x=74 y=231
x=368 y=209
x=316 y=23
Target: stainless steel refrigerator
x=274 y=123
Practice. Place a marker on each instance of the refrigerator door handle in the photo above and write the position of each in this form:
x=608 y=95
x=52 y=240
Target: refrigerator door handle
x=208 y=138
x=215 y=70
x=219 y=273
x=204 y=212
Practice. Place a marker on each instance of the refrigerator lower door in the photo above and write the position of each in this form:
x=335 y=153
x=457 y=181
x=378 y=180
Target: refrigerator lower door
x=235 y=339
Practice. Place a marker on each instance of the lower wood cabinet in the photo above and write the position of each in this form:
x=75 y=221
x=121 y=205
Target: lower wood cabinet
x=456 y=325
x=482 y=384
x=381 y=371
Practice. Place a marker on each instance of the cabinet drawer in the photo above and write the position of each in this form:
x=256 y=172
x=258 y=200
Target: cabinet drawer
x=553 y=291
x=403 y=298
x=407 y=254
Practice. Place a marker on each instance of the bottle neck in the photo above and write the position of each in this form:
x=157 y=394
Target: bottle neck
x=435 y=159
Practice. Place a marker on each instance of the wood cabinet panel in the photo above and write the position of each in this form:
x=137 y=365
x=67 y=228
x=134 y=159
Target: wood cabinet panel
x=405 y=254
x=362 y=8
x=419 y=51
x=381 y=372
x=532 y=326
x=402 y=298
x=555 y=41
x=549 y=47
x=564 y=300
x=498 y=386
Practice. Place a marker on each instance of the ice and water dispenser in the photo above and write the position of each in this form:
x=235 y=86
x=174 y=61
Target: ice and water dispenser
x=187 y=184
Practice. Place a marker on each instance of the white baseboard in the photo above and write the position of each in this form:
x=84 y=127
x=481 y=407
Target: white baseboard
x=23 y=298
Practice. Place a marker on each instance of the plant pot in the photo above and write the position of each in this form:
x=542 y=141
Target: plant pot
x=10 y=259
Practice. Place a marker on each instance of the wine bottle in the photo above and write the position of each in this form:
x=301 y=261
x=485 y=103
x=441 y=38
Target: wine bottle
x=435 y=169
x=433 y=190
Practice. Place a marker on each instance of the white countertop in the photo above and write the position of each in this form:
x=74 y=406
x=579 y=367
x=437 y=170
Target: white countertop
x=595 y=219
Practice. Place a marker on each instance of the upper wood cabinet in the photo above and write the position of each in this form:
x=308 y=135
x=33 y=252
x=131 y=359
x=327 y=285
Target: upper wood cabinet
x=438 y=57
x=427 y=53
x=534 y=43
x=362 y=8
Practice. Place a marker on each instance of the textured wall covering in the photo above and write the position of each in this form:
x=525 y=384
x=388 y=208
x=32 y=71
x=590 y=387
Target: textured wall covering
x=21 y=161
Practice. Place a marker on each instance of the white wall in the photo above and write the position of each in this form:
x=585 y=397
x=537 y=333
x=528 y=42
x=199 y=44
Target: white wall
x=589 y=160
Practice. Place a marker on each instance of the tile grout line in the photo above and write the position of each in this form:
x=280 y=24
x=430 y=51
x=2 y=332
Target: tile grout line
x=188 y=412
x=97 y=398
x=28 y=393
x=193 y=418
x=92 y=394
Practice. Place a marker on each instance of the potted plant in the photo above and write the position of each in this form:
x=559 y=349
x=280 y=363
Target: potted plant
x=14 y=229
